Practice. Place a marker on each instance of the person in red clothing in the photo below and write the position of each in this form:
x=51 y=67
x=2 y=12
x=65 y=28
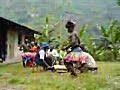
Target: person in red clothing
x=28 y=56
x=34 y=47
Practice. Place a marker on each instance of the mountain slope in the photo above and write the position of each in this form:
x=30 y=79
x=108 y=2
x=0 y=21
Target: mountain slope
x=32 y=13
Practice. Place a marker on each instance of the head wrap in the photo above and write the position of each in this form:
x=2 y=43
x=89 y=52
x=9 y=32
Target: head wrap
x=70 y=23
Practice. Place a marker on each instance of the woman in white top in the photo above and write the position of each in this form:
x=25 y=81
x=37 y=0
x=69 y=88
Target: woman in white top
x=53 y=54
x=41 y=57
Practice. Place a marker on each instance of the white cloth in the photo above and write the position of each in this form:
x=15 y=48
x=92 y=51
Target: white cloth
x=90 y=60
x=42 y=54
x=53 y=52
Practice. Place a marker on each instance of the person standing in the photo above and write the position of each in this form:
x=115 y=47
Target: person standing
x=78 y=55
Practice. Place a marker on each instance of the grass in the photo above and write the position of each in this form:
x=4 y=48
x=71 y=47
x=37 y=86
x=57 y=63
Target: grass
x=19 y=78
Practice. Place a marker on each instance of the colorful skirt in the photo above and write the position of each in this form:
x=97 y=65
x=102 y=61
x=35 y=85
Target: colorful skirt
x=26 y=55
x=76 y=55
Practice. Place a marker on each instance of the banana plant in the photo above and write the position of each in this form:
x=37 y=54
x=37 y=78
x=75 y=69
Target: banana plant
x=86 y=38
x=111 y=38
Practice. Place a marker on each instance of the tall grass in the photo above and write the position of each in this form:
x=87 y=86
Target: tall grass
x=107 y=78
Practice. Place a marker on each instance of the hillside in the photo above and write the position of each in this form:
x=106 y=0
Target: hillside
x=32 y=13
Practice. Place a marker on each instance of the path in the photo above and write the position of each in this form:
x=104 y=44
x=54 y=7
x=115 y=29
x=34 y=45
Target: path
x=14 y=60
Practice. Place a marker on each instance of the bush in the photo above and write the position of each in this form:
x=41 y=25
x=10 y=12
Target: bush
x=107 y=47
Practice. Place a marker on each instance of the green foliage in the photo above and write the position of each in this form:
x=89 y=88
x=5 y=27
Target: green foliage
x=107 y=46
x=118 y=2
x=83 y=32
x=49 y=32
x=111 y=39
x=27 y=12
x=45 y=31
x=87 y=39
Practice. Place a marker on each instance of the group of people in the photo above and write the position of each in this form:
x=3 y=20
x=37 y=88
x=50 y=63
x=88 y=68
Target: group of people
x=74 y=55
x=42 y=54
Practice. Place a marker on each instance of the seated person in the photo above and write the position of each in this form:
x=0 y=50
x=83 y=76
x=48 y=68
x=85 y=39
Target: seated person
x=41 y=58
x=34 y=47
x=53 y=54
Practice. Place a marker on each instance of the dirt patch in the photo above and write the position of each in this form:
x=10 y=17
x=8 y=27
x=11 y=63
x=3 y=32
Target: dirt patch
x=11 y=87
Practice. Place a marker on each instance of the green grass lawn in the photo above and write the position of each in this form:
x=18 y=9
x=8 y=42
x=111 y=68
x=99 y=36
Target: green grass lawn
x=15 y=77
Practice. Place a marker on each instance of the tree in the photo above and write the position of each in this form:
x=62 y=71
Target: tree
x=107 y=46
x=45 y=34
x=110 y=36
x=48 y=32
x=89 y=42
x=118 y=2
